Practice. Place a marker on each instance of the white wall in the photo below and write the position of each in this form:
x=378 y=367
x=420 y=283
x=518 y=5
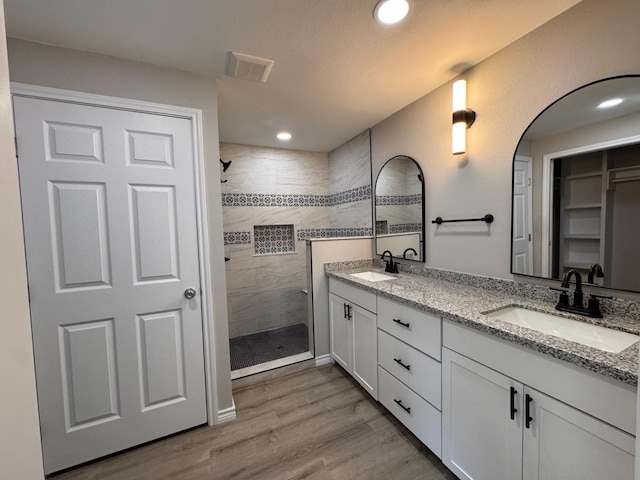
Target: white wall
x=20 y=454
x=49 y=66
x=590 y=41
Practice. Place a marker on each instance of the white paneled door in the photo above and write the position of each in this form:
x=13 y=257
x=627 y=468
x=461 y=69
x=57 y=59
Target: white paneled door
x=108 y=199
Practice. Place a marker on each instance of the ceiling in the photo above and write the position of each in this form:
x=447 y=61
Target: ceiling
x=336 y=73
x=579 y=108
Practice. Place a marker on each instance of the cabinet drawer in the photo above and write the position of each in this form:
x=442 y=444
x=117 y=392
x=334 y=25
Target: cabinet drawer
x=417 y=328
x=359 y=296
x=421 y=373
x=422 y=419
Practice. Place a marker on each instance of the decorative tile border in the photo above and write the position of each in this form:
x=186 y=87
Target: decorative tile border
x=283 y=200
x=349 y=196
x=405 y=227
x=272 y=200
x=237 y=238
x=270 y=239
x=308 y=233
x=399 y=199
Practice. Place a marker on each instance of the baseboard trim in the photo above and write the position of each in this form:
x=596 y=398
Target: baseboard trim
x=227 y=414
x=324 y=360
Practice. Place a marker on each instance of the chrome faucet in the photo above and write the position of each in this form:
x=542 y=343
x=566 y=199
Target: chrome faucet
x=404 y=254
x=391 y=267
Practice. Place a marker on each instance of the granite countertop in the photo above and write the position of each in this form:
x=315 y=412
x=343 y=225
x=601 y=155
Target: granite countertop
x=459 y=300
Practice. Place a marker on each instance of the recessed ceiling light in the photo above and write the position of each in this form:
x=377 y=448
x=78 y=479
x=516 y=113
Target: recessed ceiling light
x=389 y=12
x=283 y=136
x=610 y=103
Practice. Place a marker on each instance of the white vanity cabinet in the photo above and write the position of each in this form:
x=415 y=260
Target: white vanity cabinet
x=496 y=426
x=409 y=369
x=353 y=332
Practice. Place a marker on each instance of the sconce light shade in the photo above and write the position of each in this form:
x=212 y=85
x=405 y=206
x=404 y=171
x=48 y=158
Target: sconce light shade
x=463 y=118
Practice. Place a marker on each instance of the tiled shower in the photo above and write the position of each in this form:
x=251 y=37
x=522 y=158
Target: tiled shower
x=273 y=201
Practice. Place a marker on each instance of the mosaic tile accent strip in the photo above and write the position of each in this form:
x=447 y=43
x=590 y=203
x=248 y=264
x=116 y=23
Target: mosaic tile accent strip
x=273 y=200
x=270 y=239
x=237 y=238
x=350 y=196
x=405 y=227
x=382 y=227
x=282 y=200
x=307 y=233
x=399 y=199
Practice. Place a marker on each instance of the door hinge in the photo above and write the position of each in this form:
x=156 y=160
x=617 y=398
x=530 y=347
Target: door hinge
x=529 y=237
x=529 y=182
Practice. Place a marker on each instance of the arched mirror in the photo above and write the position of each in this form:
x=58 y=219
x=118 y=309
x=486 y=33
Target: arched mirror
x=576 y=187
x=399 y=209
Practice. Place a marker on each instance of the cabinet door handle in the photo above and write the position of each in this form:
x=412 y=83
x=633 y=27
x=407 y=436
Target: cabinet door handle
x=527 y=411
x=400 y=322
x=399 y=362
x=399 y=402
x=349 y=315
x=514 y=410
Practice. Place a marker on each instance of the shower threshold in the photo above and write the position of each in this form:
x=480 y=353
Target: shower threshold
x=265 y=367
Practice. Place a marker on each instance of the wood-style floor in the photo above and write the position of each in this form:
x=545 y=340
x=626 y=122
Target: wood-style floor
x=316 y=424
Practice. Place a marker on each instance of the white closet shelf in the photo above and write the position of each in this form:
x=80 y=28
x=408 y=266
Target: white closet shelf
x=586 y=206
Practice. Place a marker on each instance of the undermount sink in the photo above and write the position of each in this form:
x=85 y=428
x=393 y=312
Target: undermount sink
x=594 y=336
x=372 y=276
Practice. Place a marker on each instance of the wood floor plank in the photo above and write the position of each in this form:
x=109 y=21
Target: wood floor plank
x=316 y=424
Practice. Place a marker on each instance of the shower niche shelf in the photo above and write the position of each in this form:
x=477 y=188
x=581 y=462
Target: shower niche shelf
x=273 y=239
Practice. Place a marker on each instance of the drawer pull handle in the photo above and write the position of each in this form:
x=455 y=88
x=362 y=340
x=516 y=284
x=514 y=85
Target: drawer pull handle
x=514 y=410
x=400 y=322
x=527 y=411
x=399 y=402
x=399 y=362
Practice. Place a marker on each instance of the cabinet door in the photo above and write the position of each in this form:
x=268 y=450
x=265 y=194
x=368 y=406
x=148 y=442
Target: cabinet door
x=480 y=440
x=365 y=349
x=563 y=443
x=340 y=332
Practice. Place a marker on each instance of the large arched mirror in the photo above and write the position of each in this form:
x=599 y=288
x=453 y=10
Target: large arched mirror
x=399 y=209
x=576 y=187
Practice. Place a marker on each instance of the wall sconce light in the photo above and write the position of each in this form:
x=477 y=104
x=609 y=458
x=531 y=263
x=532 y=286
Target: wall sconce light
x=463 y=118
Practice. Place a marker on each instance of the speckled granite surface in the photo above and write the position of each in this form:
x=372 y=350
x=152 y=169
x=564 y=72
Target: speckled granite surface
x=462 y=298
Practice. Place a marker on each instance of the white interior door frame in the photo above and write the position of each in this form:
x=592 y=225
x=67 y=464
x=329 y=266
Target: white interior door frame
x=195 y=116
x=529 y=219
x=547 y=188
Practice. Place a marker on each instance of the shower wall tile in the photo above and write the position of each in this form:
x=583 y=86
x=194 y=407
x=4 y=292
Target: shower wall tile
x=274 y=171
x=350 y=184
x=349 y=215
x=275 y=188
x=349 y=164
x=256 y=312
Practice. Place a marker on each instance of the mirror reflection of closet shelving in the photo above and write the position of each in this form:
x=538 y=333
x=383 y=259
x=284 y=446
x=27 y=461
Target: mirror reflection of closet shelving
x=596 y=194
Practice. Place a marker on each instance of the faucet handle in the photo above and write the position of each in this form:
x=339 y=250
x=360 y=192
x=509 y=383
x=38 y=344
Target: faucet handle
x=564 y=296
x=607 y=297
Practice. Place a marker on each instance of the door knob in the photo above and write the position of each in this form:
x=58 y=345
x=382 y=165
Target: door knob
x=190 y=293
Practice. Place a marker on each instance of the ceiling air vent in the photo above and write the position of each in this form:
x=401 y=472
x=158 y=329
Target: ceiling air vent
x=248 y=67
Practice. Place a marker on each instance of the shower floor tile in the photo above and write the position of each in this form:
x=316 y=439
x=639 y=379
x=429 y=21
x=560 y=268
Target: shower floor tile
x=249 y=350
